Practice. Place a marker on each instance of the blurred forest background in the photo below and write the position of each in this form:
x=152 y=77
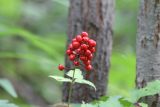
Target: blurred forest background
x=32 y=44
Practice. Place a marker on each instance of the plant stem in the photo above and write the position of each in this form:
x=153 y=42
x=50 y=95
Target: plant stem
x=70 y=88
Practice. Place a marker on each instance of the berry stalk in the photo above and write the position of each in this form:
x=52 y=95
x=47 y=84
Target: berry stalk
x=70 y=88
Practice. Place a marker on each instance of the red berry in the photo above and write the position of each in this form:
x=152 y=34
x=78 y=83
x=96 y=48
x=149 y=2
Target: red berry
x=93 y=50
x=88 y=52
x=61 y=67
x=88 y=67
x=92 y=43
x=90 y=56
x=88 y=62
x=79 y=38
x=76 y=63
x=71 y=47
x=78 y=51
x=72 y=57
x=69 y=52
x=75 y=45
x=85 y=39
x=83 y=58
x=74 y=40
x=84 y=34
x=84 y=46
x=82 y=52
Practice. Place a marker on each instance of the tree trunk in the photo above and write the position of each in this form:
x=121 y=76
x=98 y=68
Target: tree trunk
x=95 y=17
x=148 y=47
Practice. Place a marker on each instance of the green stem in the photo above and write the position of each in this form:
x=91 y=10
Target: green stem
x=70 y=88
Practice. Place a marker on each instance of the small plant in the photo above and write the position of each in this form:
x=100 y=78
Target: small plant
x=80 y=52
x=151 y=88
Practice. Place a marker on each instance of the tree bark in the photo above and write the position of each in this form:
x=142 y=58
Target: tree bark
x=148 y=47
x=95 y=17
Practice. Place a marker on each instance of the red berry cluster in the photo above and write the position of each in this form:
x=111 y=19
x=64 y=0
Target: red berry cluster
x=81 y=50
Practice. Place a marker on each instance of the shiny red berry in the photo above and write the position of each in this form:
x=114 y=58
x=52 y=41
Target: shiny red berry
x=88 y=52
x=88 y=67
x=93 y=49
x=76 y=63
x=90 y=57
x=71 y=47
x=82 y=58
x=69 y=52
x=85 y=39
x=84 y=46
x=82 y=52
x=84 y=34
x=92 y=43
x=79 y=38
x=74 y=40
x=78 y=51
x=61 y=67
x=75 y=45
x=88 y=62
x=72 y=57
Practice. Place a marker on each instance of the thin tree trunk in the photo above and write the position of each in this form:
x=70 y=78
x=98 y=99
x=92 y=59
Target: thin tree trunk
x=148 y=47
x=95 y=17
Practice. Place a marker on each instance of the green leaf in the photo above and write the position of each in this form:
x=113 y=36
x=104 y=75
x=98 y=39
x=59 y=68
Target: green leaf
x=5 y=103
x=58 y=78
x=77 y=74
x=83 y=81
x=75 y=105
x=143 y=105
x=79 y=77
x=125 y=102
x=4 y=83
x=87 y=105
x=112 y=102
x=104 y=98
x=152 y=88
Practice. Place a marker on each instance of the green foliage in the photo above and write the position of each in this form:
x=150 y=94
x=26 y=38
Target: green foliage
x=9 y=8
x=113 y=101
x=125 y=25
x=122 y=65
x=61 y=79
x=125 y=102
x=5 y=103
x=35 y=40
x=4 y=83
x=88 y=105
x=152 y=88
x=77 y=74
x=83 y=81
x=127 y=5
x=143 y=105
x=78 y=78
